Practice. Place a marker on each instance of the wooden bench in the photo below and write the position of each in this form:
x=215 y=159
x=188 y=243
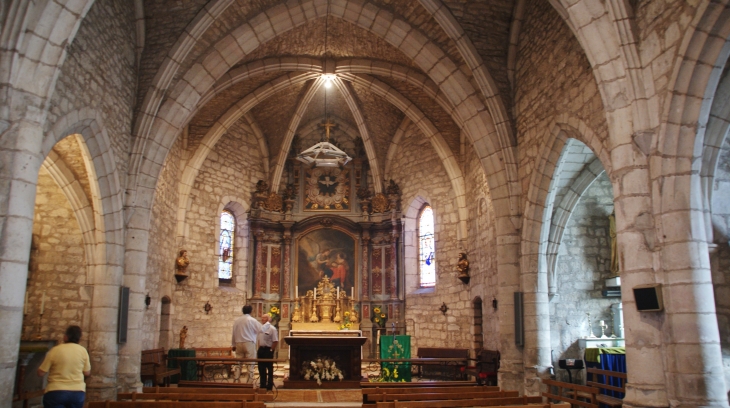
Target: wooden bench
x=175 y=404
x=203 y=390
x=211 y=384
x=426 y=384
x=601 y=380
x=154 y=367
x=393 y=395
x=575 y=394
x=485 y=367
x=439 y=370
x=181 y=396
x=467 y=403
x=474 y=402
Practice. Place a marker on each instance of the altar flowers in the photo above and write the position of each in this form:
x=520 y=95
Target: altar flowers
x=321 y=369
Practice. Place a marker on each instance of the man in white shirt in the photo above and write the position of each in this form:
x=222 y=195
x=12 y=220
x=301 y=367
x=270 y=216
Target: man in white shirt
x=268 y=338
x=245 y=330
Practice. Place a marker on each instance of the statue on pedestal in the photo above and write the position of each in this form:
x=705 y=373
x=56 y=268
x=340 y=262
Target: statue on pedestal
x=183 y=336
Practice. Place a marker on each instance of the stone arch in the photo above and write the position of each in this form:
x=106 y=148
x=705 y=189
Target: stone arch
x=429 y=130
x=82 y=208
x=186 y=94
x=684 y=251
x=394 y=144
x=535 y=237
x=108 y=224
x=192 y=167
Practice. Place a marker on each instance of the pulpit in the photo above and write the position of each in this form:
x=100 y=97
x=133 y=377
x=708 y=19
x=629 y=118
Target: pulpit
x=315 y=356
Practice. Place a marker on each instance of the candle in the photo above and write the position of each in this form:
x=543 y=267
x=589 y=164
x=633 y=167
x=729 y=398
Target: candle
x=601 y=322
x=315 y=293
x=25 y=305
x=338 y=293
x=296 y=291
x=43 y=302
x=352 y=292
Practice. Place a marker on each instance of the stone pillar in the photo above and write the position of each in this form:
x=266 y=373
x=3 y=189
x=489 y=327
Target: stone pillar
x=536 y=325
x=511 y=372
x=21 y=161
x=260 y=265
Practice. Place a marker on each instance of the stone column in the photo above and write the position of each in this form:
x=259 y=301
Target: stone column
x=511 y=371
x=21 y=161
x=260 y=267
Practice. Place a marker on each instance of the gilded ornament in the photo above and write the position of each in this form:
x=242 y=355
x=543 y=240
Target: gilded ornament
x=380 y=203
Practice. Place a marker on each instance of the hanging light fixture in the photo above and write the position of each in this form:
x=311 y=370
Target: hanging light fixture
x=324 y=153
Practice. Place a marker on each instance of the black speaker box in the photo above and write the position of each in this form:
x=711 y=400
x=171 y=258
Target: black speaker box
x=648 y=298
x=123 y=314
x=519 y=329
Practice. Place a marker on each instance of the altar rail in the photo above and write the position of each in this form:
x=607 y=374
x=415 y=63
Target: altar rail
x=227 y=363
x=375 y=364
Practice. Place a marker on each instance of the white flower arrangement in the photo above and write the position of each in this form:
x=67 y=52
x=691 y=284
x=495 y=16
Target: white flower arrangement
x=321 y=369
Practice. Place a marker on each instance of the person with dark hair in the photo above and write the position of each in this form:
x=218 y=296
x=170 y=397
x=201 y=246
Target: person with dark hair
x=66 y=364
x=245 y=331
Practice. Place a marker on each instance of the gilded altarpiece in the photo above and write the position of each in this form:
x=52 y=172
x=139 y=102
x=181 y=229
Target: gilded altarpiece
x=327 y=189
x=378 y=270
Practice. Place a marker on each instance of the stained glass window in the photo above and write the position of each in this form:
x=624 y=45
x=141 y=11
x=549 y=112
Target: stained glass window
x=427 y=260
x=225 y=252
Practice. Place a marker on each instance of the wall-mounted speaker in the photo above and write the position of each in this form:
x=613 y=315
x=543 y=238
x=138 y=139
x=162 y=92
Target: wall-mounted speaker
x=123 y=315
x=519 y=324
x=648 y=298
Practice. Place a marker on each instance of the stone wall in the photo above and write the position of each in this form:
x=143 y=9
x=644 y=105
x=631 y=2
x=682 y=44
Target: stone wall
x=57 y=267
x=720 y=259
x=482 y=247
x=554 y=80
x=99 y=73
x=418 y=170
x=231 y=170
x=584 y=263
x=163 y=248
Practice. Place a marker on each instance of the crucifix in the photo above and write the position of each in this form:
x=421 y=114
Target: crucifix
x=327 y=125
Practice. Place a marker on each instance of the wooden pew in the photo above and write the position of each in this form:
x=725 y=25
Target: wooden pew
x=427 y=390
x=180 y=396
x=154 y=367
x=460 y=403
x=438 y=369
x=392 y=395
x=475 y=402
x=212 y=384
x=604 y=384
x=568 y=392
x=202 y=390
x=175 y=404
x=449 y=384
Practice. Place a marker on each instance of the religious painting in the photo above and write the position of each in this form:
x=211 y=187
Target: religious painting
x=326 y=252
x=377 y=271
x=327 y=189
x=275 y=274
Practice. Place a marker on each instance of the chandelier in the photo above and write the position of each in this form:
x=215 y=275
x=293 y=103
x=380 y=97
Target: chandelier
x=324 y=153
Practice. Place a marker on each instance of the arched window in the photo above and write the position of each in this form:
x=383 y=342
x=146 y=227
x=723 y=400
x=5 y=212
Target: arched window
x=426 y=249
x=225 y=241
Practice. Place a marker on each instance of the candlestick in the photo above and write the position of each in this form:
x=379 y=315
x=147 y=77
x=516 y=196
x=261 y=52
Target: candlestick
x=296 y=291
x=315 y=293
x=43 y=302
x=352 y=292
x=338 y=293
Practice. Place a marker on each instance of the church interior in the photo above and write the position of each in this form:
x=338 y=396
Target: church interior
x=503 y=175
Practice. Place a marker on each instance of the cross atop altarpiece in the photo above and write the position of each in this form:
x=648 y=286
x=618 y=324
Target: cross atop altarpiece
x=327 y=125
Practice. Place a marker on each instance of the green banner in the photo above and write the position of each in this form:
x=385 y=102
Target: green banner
x=395 y=347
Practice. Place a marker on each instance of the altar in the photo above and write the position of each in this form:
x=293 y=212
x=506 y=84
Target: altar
x=325 y=360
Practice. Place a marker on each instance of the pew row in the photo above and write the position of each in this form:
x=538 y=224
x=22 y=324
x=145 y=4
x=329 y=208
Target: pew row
x=445 y=384
x=602 y=381
x=179 y=396
x=512 y=402
x=175 y=404
x=201 y=390
x=393 y=395
x=575 y=394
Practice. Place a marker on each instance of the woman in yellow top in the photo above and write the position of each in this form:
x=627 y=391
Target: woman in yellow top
x=66 y=365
